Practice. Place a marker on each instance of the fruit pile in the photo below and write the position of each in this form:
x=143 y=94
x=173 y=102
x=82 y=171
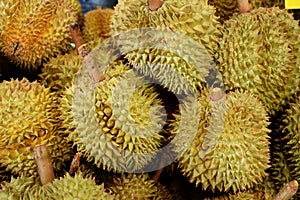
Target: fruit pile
x=215 y=86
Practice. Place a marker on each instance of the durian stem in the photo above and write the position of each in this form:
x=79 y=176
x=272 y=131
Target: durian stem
x=75 y=163
x=288 y=191
x=43 y=160
x=157 y=174
x=155 y=4
x=243 y=6
x=76 y=35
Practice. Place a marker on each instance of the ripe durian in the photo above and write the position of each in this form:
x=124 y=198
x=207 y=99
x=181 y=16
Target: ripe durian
x=139 y=186
x=97 y=24
x=259 y=52
x=77 y=187
x=240 y=156
x=194 y=18
x=59 y=72
x=114 y=131
x=33 y=31
x=29 y=117
x=292 y=139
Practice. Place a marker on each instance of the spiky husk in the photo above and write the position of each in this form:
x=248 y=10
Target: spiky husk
x=259 y=52
x=118 y=129
x=97 y=24
x=194 y=18
x=29 y=117
x=59 y=72
x=139 y=186
x=292 y=137
x=234 y=163
x=77 y=187
x=33 y=31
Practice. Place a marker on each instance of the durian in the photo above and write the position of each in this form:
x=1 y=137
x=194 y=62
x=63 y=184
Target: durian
x=114 y=130
x=139 y=186
x=291 y=139
x=97 y=24
x=194 y=18
x=240 y=156
x=33 y=31
x=60 y=71
x=259 y=52
x=29 y=117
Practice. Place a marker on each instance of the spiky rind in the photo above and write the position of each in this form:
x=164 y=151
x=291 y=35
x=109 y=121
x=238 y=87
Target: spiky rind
x=138 y=186
x=194 y=18
x=34 y=31
x=29 y=117
x=233 y=164
x=60 y=71
x=269 y=67
x=97 y=24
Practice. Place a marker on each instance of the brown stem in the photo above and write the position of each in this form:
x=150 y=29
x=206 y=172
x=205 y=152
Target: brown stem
x=243 y=6
x=43 y=160
x=76 y=35
x=217 y=94
x=288 y=191
x=155 y=4
x=75 y=163
x=157 y=174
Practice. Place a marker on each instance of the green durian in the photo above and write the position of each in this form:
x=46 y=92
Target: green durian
x=29 y=117
x=194 y=18
x=139 y=186
x=114 y=129
x=240 y=155
x=60 y=71
x=97 y=24
x=33 y=31
x=259 y=52
x=291 y=140
x=77 y=187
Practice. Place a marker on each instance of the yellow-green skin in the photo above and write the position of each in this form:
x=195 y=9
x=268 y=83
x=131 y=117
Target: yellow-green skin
x=292 y=136
x=240 y=155
x=33 y=31
x=194 y=18
x=60 y=71
x=116 y=133
x=225 y=9
x=97 y=24
x=139 y=187
x=259 y=52
x=29 y=117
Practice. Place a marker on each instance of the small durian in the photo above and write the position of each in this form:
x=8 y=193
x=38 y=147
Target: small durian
x=114 y=132
x=60 y=71
x=259 y=52
x=77 y=187
x=240 y=155
x=139 y=186
x=29 y=117
x=97 y=24
x=196 y=19
x=33 y=31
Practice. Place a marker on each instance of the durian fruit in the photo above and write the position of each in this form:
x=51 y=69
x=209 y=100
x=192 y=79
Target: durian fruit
x=139 y=186
x=194 y=18
x=33 y=31
x=76 y=187
x=259 y=52
x=97 y=24
x=23 y=188
x=60 y=71
x=111 y=141
x=240 y=155
x=291 y=139
x=29 y=117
